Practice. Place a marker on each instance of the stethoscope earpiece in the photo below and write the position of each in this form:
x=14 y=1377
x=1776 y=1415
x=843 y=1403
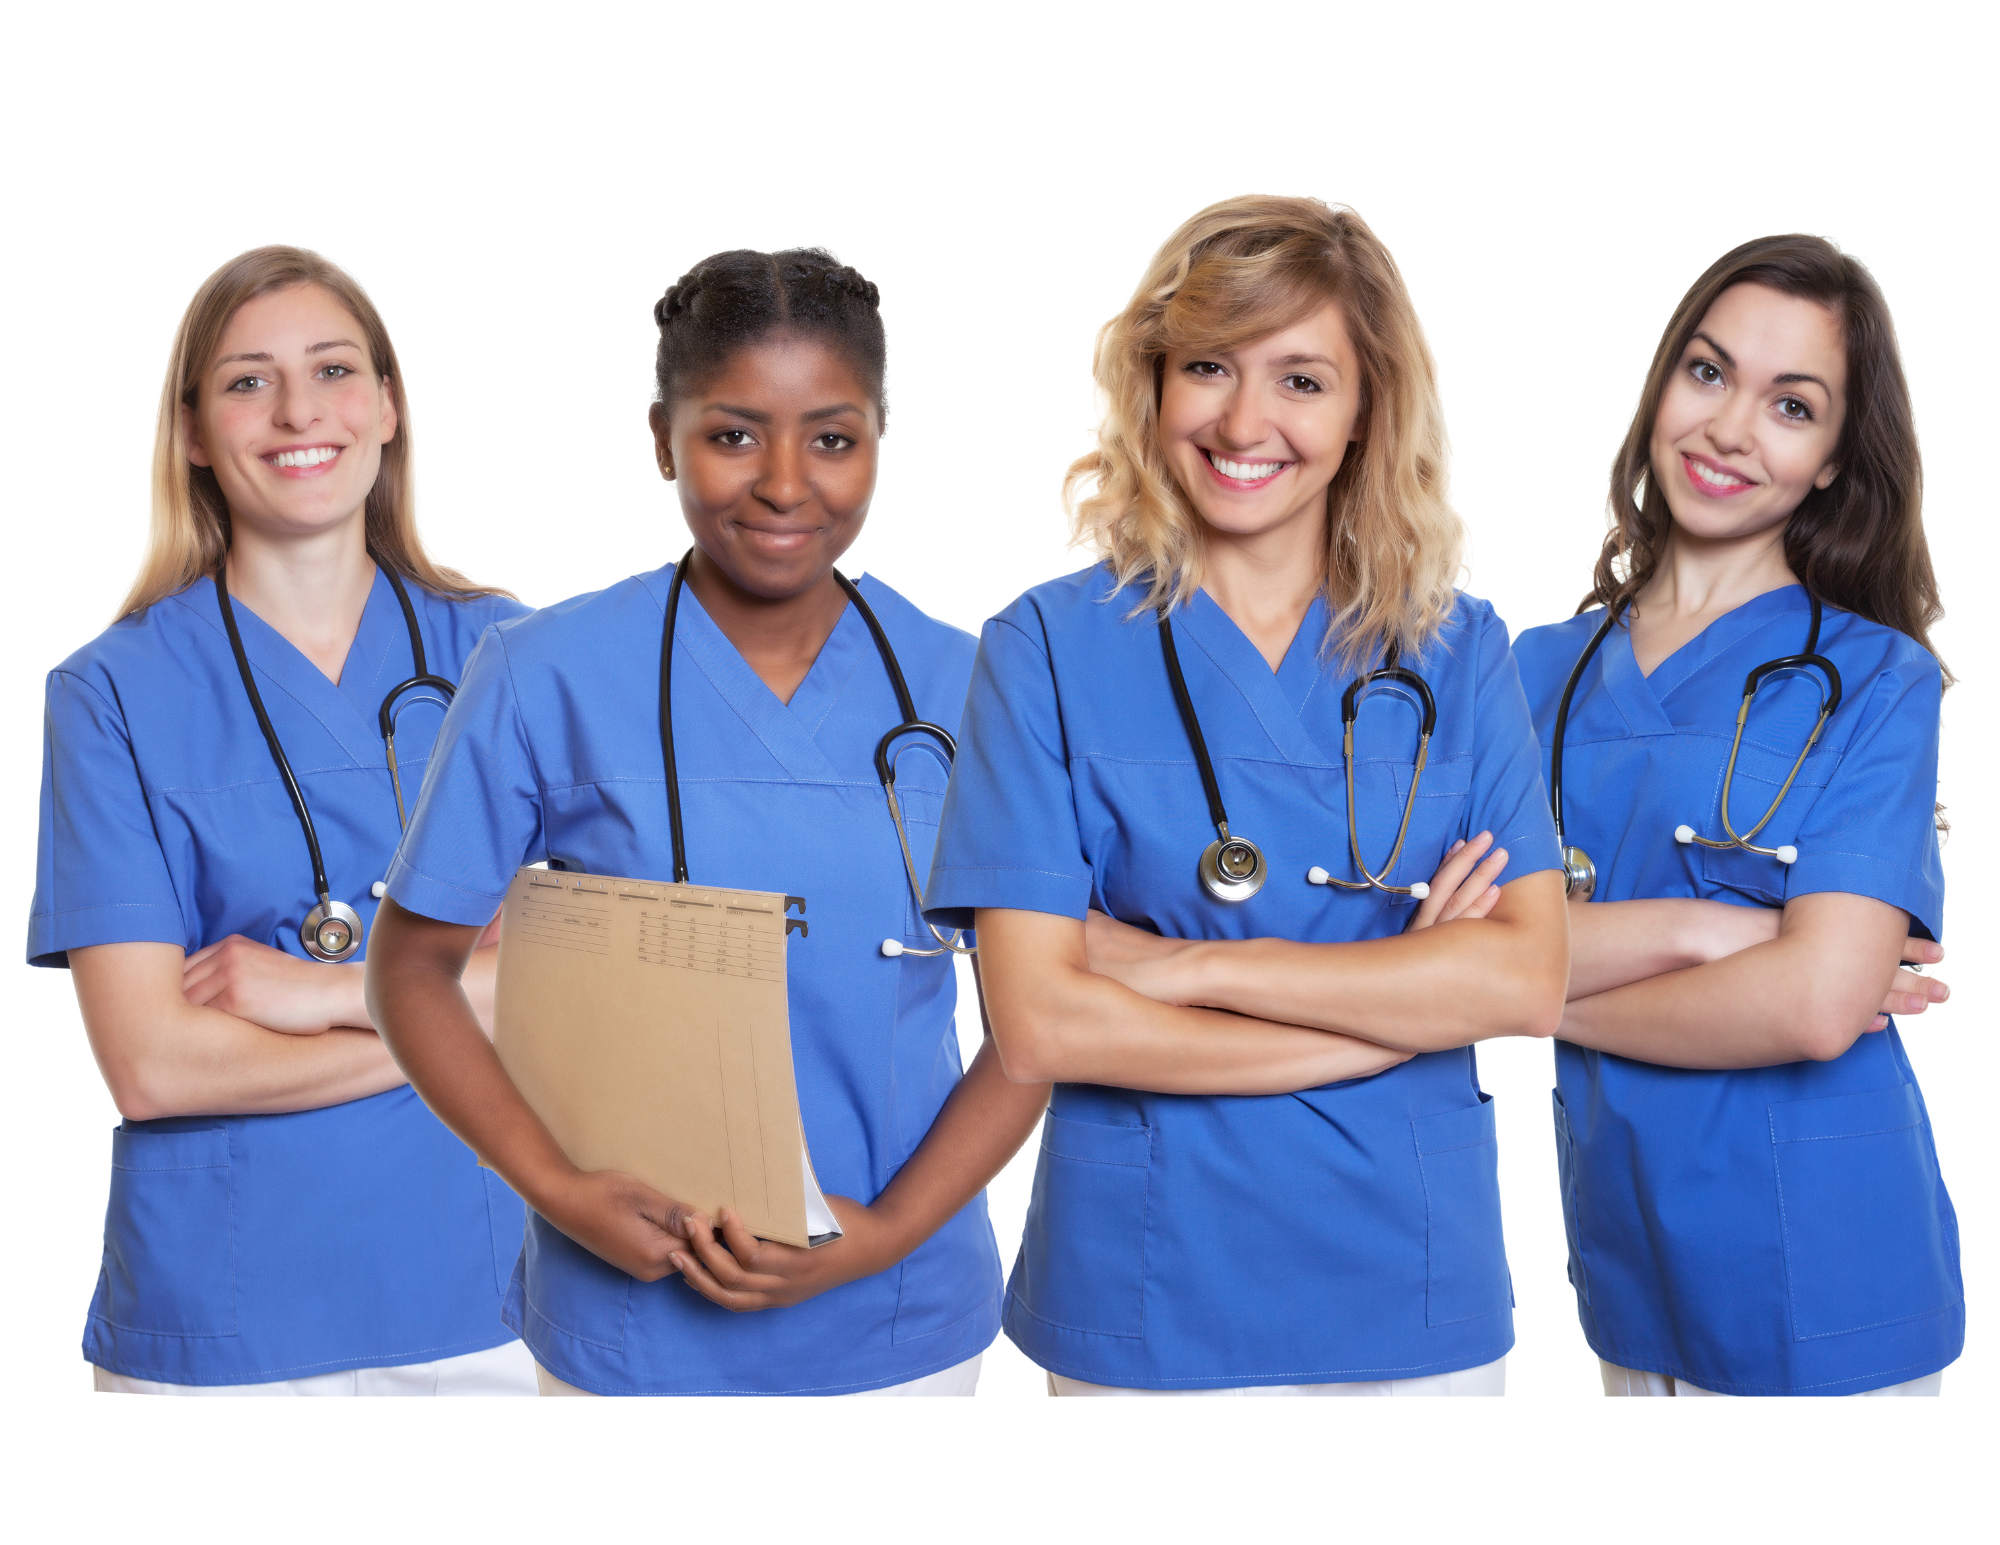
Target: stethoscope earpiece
x=892 y=947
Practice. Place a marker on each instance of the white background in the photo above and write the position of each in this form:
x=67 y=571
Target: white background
x=515 y=186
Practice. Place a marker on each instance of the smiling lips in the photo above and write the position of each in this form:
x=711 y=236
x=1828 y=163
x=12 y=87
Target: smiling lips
x=302 y=460
x=1716 y=482
x=1243 y=474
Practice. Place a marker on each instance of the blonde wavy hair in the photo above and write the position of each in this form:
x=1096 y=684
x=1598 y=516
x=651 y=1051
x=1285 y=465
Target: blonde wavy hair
x=190 y=527
x=1239 y=271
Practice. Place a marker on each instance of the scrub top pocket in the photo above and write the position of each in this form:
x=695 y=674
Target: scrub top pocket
x=574 y=1291
x=1459 y=1154
x=169 y=1234
x=1759 y=776
x=1083 y=1253
x=1858 y=1195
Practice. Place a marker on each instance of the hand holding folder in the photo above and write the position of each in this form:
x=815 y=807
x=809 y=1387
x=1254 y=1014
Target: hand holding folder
x=647 y=1026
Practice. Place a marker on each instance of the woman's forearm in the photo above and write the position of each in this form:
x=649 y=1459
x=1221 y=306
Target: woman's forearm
x=1056 y=1021
x=163 y=1056
x=980 y=1128
x=1459 y=982
x=1807 y=994
x=424 y=1014
x=1612 y=943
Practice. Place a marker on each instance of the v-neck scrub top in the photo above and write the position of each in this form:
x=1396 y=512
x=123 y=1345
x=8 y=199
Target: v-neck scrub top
x=552 y=751
x=1764 y=1231
x=249 y=1249
x=1345 y=1233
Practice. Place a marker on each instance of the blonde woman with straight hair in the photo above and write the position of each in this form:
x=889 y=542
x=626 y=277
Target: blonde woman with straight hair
x=224 y=775
x=1248 y=818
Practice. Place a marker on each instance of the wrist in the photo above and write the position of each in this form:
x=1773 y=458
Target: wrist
x=347 y=999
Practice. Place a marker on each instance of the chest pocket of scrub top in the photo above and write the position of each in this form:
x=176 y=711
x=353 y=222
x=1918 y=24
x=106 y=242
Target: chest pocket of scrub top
x=1083 y=1253
x=1459 y=1154
x=1860 y=1201
x=1759 y=776
x=1435 y=820
x=922 y=811
x=169 y=1234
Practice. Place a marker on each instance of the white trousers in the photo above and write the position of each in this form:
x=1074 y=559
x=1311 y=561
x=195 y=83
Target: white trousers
x=1630 y=1381
x=1487 y=1379
x=501 y=1370
x=959 y=1379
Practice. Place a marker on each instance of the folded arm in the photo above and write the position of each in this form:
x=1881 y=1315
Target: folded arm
x=1466 y=979
x=164 y=1055
x=1807 y=993
x=1055 y=1019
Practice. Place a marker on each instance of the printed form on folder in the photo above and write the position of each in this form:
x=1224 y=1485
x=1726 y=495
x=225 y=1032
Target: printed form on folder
x=647 y=1025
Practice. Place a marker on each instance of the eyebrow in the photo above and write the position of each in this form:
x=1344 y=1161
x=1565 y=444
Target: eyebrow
x=265 y=359
x=757 y=417
x=1789 y=378
x=1308 y=359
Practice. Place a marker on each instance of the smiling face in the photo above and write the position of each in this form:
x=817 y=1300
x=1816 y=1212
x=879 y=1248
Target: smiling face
x=1254 y=435
x=774 y=458
x=1751 y=415
x=291 y=415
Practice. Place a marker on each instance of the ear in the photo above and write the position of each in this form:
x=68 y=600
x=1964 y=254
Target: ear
x=389 y=416
x=1826 y=476
x=663 y=439
x=191 y=441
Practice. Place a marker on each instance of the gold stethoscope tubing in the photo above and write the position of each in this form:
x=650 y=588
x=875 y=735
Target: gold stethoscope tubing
x=1350 y=710
x=1784 y=853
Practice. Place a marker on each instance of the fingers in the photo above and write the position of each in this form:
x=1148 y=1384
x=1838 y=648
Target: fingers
x=1922 y=952
x=1455 y=886
x=1911 y=994
x=1477 y=890
x=721 y=1268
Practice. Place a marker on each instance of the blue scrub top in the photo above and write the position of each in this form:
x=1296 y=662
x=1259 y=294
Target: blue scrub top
x=1778 y=1230
x=552 y=751
x=1345 y=1233
x=245 y=1249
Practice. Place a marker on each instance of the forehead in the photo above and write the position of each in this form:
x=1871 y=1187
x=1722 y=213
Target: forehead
x=785 y=369
x=289 y=320
x=1771 y=333
x=1320 y=334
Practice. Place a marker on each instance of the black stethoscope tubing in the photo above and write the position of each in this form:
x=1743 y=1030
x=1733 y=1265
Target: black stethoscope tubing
x=1232 y=868
x=1579 y=873
x=885 y=769
x=332 y=931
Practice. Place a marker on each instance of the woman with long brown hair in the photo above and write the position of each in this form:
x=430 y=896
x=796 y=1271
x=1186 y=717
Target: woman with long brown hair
x=1201 y=794
x=1743 y=735
x=225 y=772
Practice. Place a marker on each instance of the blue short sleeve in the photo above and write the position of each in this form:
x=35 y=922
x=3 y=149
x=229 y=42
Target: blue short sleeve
x=100 y=877
x=480 y=816
x=1509 y=797
x=1008 y=837
x=1873 y=831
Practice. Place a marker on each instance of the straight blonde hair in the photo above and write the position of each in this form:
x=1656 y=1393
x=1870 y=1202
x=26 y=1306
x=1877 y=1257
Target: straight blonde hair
x=1239 y=271
x=190 y=527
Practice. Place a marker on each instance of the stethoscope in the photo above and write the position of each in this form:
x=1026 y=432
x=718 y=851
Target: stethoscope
x=1232 y=868
x=332 y=931
x=885 y=766
x=1579 y=873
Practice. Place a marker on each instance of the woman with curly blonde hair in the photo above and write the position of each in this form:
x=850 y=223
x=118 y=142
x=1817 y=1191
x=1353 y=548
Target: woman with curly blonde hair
x=1268 y=1165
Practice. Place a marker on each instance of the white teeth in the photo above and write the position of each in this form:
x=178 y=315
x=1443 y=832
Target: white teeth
x=312 y=456
x=1246 y=471
x=1716 y=479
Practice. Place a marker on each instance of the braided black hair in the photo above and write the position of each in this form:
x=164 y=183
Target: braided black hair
x=734 y=299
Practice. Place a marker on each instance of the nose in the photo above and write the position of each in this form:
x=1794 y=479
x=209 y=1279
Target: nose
x=781 y=480
x=1243 y=423
x=294 y=407
x=1733 y=430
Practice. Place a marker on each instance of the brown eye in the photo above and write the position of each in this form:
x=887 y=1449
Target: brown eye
x=1707 y=372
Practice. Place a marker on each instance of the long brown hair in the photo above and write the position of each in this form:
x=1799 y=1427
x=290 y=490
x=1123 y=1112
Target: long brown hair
x=190 y=527
x=1236 y=272
x=1858 y=543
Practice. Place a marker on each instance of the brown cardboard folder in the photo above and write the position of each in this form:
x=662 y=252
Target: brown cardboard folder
x=646 y=1023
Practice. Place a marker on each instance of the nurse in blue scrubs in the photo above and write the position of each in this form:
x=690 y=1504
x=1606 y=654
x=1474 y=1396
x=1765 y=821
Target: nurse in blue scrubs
x=768 y=419
x=1749 y=1181
x=1268 y=1165
x=286 y=1217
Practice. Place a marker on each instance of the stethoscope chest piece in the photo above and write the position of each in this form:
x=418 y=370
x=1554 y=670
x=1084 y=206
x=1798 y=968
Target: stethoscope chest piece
x=332 y=931
x=1579 y=874
x=1232 y=868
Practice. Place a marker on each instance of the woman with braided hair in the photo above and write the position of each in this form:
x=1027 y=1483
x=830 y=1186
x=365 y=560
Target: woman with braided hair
x=768 y=416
